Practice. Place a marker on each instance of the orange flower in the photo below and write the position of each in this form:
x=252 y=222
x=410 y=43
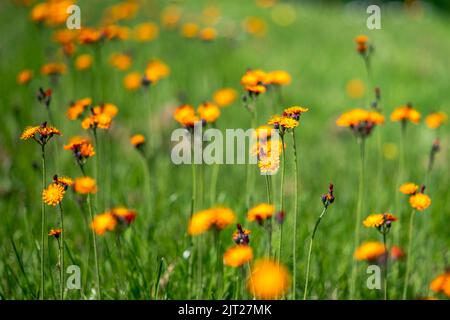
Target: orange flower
x=436 y=119
x=137 y=140
x=156 y=70
x=185 y=115
x=224 y=97
x=24 y=76
x=103 y=222
x=77 y=108
x=378 y=219
x=170 y=16
x=361 y=43
x=253 y=77
x=101 y=117
x=147 y=31
x=209 y=112
x=53 y=68
x=190 y=30
x=256 y=90
x=409 y=188
x=124 y=215
x=208 y=34
x=54 y=194
x=85 y=185
x=278 y=77
x=355 y=88
x=41 y=134
x=369 y=251
x=262 y=211
x=237 y=256
x=269 y=165
x=255 y=26
x=120 y=61
x=218 y=217
x=81 y=147
x=268 y=280
x=89 y=36
x=132 y=81
x=420 y=201
x=55 y=233
x=223 y=217
x=83 y=62
x=441 y=284
x=360 y=121
x=405 y=113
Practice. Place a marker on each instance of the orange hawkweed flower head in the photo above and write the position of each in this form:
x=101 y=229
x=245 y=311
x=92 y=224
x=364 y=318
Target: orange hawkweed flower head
x=190 y=30
x=24 y=76
x=53 y=68
x=122 y=10
x=369 y=251
x=224 y=97
x=185 y=115
x=104 y=222
x=223 y=217
x=113 y=32
x=362 y=43
x=101 y=116
x=288 y=123
x=146 y=31
x=132 y=81
x=208 y=112
x=201 y=222
x=218 y=217
x=124 y=215
x=294 y=112
x=237 y=256
x=65 y=36
x=64 y=181
x=261 y=212
x=256 y=89
x=120 y=61
x=137 y=140
x=54 y=194
x=436 y=119
x=253 y=77
x=268 y=280
x=77 y=108
x=278 y=77
x=441 y=284
x=83 y=62
x=360 y=121
x=208 y=34
x=255 y=26
x=81 y=147
x=397 y=253
x=420 y=201
x=405 y=113
x=55 y=233
x=156 y=70
x=41 y=134
x=85 y=185
x=378 y=220
x=89 y=36
x=263 y=132
x=52 y=13
x=282 y=123
x=170 y=16
x=269 y=165
x=409 y=188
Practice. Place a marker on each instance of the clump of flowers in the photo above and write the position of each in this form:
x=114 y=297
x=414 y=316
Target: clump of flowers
x=82 y=149
x=119 y=217
x=41 y=134
x=77 y=108
x=441 y=284
x=418 y=200
x=101 y=117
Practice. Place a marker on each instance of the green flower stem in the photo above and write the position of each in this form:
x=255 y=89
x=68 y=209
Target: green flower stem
x=280 y=239
x=269 y=221
x=305 y=293
x=408 y=254
x=61 y=252
x=386 y=252
x=94 y=239
x=43 y=223
x=359 y=209
x=294 y=240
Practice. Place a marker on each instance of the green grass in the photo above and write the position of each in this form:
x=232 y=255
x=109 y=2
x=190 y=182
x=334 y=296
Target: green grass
x=409 y=65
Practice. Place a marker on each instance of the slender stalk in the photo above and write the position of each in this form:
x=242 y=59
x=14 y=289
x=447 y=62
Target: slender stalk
x=408 y=254
x=251 y=279
x=359 y=208
x=269 y=226
x=249 y=176
x=214 y=177
x=43 y=223
x=386 y=252
x=219 y=265
x=294 y=240
x=308 y=265
x=94 y=239
x=280 y=239
x=61 y=252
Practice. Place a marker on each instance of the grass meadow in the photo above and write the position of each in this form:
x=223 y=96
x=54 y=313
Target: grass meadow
x=148 y=253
